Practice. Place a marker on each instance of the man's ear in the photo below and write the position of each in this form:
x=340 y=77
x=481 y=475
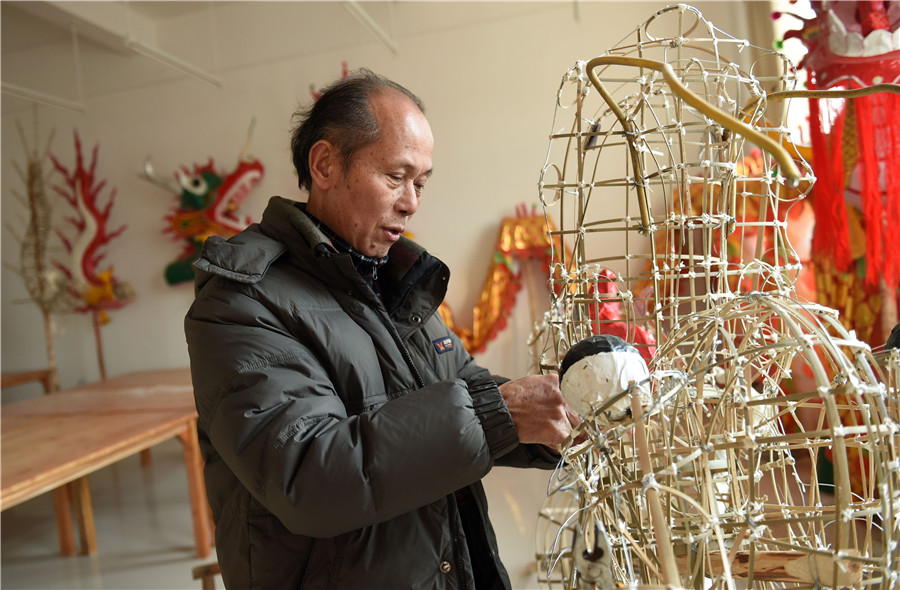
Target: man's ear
x=324 y=164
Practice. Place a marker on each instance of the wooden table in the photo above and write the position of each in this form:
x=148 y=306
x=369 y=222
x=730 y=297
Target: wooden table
x=50 y=441
x=13 y=378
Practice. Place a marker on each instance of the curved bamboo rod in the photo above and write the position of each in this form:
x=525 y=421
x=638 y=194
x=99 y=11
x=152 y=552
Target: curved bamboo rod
x=630 y=133
x=789 y=168
x=831 y=93
x=805 y=152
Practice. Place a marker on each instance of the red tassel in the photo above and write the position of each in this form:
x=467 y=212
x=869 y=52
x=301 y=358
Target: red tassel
x=870 y=191
x=830 y=237
x=891 y=158
x=821 y=190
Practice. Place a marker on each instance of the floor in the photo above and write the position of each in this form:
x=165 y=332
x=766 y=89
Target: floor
x=145 y=538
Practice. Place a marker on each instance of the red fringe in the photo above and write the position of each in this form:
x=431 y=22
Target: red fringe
x=830 y=239
x=891 y=159
x=870 y=191
x=878 y=131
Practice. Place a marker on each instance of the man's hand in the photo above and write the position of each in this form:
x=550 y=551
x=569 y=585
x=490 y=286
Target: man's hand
x=538 y=409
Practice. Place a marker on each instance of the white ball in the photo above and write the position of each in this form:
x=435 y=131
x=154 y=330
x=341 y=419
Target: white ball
x=594 y=379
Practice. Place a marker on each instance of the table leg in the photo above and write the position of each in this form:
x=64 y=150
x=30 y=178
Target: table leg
x=85 y=511
x=196 y=489
x=207 y=574
x=62 y=507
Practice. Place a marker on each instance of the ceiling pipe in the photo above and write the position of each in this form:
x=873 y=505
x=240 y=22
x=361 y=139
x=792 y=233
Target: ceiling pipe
x=42 y=98
x=369 y=23
x=170 y=60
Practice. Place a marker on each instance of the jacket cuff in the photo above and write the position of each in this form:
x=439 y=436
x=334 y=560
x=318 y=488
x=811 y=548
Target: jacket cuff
x=495 y=418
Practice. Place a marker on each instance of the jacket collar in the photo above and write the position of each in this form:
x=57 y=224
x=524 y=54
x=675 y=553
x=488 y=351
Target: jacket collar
x=366 y=266
x=410 y=273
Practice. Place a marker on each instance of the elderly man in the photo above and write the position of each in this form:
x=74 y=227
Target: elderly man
x=344 y=427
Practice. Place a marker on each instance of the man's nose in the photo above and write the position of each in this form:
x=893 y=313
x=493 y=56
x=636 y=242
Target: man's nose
x=408 y=202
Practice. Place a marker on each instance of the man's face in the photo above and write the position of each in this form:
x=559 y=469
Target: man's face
x=371 y=202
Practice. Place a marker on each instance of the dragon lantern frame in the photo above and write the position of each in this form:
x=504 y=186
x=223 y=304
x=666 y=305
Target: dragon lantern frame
x=715 y=479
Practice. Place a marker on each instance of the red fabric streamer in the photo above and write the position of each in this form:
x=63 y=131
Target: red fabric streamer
x=892 y=191
x=869 y=190
x=830 y=239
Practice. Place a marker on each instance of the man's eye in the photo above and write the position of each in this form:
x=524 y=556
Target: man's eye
x=420 y=188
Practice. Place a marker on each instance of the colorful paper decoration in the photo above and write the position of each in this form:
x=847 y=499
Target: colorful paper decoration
x=208 y=206
x=97 y=289
x=520 y=239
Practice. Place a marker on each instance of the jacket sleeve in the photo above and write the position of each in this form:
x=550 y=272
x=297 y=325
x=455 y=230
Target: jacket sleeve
x=479 y=379
x=273 y=416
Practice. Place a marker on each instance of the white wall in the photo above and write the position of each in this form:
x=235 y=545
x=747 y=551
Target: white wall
x=487 y=72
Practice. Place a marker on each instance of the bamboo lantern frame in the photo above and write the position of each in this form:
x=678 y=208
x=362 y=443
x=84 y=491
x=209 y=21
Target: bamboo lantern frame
x=716 y=479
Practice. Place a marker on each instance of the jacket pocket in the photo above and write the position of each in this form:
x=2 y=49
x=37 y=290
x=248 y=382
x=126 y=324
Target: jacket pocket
x=278 y=558
x=317 y=574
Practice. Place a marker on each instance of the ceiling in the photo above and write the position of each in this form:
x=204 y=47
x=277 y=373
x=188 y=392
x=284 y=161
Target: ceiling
x=88 y=48
x=29 y=24
x=163 y=10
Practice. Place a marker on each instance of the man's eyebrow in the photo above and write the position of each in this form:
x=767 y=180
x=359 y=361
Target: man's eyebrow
x=411 y=166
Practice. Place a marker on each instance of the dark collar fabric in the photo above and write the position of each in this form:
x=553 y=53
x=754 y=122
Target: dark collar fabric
x=366 y=266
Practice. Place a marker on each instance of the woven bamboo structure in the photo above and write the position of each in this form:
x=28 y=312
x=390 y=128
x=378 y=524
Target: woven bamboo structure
x=719 y=480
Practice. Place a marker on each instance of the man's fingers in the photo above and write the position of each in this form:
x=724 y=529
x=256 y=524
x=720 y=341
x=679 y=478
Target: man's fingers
x=538 y=409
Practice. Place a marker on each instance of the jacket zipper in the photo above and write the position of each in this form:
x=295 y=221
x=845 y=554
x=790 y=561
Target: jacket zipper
x=454 y=534
x=451 y=498
x=386 y=321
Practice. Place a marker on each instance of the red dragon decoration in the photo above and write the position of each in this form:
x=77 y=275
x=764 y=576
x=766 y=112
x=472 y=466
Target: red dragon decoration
x=208 y=206
x=208 y=203
x=96 y=289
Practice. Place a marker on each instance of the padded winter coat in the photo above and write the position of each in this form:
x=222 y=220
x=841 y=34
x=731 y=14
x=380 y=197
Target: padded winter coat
x=339 y=429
